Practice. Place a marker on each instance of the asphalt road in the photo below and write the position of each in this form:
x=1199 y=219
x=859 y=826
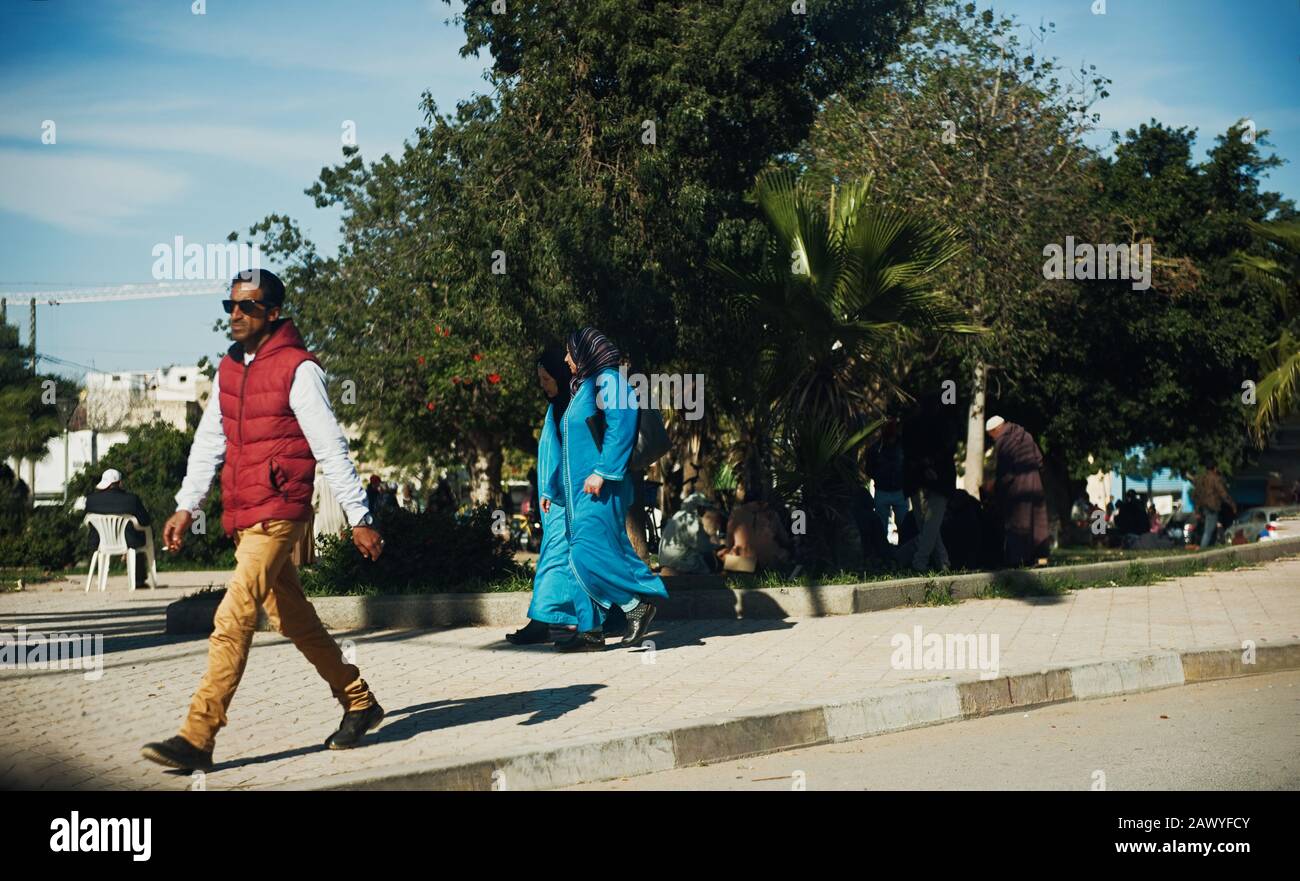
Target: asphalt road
x=1231 y=734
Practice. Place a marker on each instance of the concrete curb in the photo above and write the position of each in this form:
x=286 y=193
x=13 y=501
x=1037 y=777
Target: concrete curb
x=509 y=609
x=724 y=738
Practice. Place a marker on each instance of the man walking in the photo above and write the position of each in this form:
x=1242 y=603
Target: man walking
x=1210 y=496
x=110 y=498
x=267 y=427
x=929 y=479
x=885 y=466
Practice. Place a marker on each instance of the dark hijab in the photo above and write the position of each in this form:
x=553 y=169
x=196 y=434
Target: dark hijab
x=552 y=361
x=592 y=352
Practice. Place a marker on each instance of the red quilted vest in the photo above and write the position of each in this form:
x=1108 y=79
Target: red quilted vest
x=269 y=468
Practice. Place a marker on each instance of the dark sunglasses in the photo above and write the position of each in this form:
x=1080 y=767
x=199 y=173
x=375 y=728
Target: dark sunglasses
x=257 y=307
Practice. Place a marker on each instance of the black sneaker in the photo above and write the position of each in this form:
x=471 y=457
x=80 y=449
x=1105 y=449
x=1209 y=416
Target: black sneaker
x=355 y=723
x=590 y=641
x=638 y=623
x=177 y=752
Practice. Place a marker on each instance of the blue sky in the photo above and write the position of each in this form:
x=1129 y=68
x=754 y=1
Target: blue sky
x=174 y=124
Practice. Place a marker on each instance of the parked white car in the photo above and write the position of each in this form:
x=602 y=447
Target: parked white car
x=1256 y=524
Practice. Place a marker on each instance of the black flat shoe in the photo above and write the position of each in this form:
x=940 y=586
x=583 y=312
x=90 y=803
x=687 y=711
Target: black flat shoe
x=615 y=621
x=590 y=641
x=530 y=634
x=355 y=724
x=177 y=752
x=638 y=624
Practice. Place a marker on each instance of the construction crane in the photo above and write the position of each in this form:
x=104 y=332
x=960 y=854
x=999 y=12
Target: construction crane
x=108 y=294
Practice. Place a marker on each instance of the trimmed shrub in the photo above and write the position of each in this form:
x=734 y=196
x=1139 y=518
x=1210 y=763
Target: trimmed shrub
x=49 y=539
x=427 y=552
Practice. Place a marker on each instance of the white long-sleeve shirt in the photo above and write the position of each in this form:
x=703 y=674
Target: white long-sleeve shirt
x=311 y=407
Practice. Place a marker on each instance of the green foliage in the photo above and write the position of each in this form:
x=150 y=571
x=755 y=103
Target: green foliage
x=1162 y=368
x=544 y=206
x=423 y=553
x=971 y=126
x=49 y=538
x=838 y=288
x=1277 y=270
x=152 y=462
x=14 y=501
x=29 y=411
x=975 y=127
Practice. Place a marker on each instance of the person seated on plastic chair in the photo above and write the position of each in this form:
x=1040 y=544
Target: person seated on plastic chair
x=110 y=498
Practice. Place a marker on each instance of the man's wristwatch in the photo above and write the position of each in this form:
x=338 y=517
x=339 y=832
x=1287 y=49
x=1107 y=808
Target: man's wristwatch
x=367 y=521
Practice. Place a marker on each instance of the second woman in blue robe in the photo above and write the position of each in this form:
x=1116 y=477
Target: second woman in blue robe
x=554 y=590
x=592 y=483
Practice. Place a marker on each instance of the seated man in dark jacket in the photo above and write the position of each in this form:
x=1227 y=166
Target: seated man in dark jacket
x=110 y=498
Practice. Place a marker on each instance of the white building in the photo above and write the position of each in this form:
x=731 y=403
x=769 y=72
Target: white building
x=135 y=397
x=111 y=405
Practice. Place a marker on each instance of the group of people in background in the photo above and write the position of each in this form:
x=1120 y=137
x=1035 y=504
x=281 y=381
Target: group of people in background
x=913 y=468
x=1134 y=522
x=388 y=496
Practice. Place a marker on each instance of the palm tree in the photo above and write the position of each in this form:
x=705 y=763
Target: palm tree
x=839 y=289
x=839 y=286
x=816 y=461
x=1277 y=394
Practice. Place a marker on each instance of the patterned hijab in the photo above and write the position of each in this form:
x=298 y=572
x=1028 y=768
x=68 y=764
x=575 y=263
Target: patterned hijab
x=592 y=352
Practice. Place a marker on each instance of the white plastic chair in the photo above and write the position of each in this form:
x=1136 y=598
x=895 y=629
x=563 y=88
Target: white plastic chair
x=112 y=542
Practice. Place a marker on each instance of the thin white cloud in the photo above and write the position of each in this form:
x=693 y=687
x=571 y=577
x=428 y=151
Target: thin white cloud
x=84 y=194
x=279 y=150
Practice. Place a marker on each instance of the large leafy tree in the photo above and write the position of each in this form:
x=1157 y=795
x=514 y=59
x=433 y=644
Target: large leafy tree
x=1163 y=368
x=611 y=160
x=974 y=126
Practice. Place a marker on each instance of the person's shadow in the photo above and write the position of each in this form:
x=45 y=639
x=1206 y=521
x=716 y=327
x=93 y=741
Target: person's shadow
x=541 y=705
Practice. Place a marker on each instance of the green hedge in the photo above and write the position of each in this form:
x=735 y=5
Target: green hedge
x=423 y=553
x=50 y=538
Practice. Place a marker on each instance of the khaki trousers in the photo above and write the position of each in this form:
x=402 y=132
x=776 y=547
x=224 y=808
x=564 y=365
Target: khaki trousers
x=265 y=575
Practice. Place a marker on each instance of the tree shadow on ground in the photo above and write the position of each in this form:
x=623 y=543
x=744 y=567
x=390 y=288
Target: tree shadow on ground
x=1024 y=584
x=682 y=634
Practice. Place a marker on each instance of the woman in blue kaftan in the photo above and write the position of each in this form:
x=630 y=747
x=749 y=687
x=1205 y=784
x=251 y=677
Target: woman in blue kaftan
x=554 y=589
x=597 y=435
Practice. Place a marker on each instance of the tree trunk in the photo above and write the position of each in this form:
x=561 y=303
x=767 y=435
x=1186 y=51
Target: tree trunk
x=485 y=485
x=974 y=472
x=698 y=467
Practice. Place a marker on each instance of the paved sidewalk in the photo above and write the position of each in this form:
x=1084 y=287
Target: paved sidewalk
x=465 y=692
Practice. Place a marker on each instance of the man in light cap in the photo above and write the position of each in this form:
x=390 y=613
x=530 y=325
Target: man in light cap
x=1019 y=493
x=110 y=498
